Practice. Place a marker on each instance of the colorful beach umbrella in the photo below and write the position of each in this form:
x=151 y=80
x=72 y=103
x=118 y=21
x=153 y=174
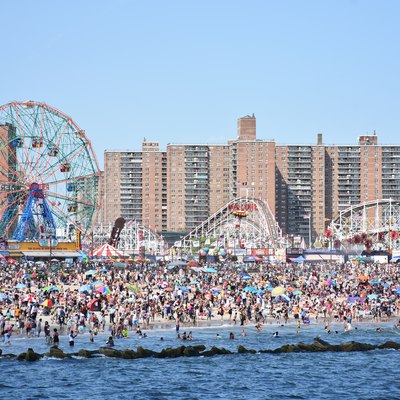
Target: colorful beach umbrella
x=279 y=290
x=103 y=289
x=47 y=303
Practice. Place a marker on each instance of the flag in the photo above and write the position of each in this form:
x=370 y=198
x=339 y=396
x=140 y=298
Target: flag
x=307 y=216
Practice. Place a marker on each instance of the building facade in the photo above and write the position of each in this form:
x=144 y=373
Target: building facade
x=305 y=185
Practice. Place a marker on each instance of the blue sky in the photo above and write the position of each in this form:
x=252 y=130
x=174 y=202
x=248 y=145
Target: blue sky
x=185 y=71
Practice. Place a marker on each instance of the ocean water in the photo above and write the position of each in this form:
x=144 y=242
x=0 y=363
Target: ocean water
x=358 y=375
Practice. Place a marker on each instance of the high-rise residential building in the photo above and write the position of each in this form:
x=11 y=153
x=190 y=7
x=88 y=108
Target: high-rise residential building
x=187 y=186
x=305 y=185
x=135 y=186
x=154 y=181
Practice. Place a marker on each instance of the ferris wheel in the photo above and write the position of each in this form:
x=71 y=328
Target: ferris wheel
x=49 y=176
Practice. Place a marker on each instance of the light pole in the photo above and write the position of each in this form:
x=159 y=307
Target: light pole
x=309 y=231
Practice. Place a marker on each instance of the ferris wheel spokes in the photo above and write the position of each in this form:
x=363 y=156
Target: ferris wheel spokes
x=25 y=147
x=67 y=161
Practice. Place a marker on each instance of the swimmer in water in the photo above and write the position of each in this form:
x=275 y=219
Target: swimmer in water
x=110 y=341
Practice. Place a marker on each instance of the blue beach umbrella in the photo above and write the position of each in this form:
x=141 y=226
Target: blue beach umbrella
x=373 y=296
x=282 y=297
x=208 y=269
x=20 y=286
x=91 y=272
x=183 y=288
x=85 y=288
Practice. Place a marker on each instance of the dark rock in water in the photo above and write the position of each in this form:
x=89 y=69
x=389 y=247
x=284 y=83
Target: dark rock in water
x=191 y=352
x=215 y=351
x=171 y=352
x=129 y=354
x=390 y=345
x=144 y=353
x=355 y=346
x=1 y=352
x=29 y=355
x=200 y=347
x=322 y=346
x=110 y=352
x=56 y=353
x=243 y=350
x=84 y=353
x=286 y=348
x=320 y=341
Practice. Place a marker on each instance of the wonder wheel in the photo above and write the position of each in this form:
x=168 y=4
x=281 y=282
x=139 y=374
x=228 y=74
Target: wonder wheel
x=49 y=175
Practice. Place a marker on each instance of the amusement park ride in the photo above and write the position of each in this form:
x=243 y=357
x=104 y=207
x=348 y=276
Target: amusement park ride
x=49 y=179
x=49 y=197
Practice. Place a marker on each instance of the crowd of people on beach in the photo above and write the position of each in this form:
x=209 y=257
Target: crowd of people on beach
x=49 y=299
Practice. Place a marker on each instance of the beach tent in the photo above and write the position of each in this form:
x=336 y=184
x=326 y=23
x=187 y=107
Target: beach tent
x=299 y=259
x=107 y=251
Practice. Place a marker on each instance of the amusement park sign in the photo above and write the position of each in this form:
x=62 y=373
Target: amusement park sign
x=242 y=207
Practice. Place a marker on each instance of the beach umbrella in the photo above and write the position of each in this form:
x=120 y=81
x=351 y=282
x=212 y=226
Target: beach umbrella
x=98 y=283
x=27 y=276
x=251 y=289
x=47 y=303
x=133 y=288
x=103 y=289
x=194 y=283
x=208 y=269
x=85 y=288
x=297 y=292
x=279 y=290
x=373 y=296
x=282 y=297
x=3 y=296
x=362 y=277
x=183 y=288
x=91 y=272
x=11 y=261
x=20 y=286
